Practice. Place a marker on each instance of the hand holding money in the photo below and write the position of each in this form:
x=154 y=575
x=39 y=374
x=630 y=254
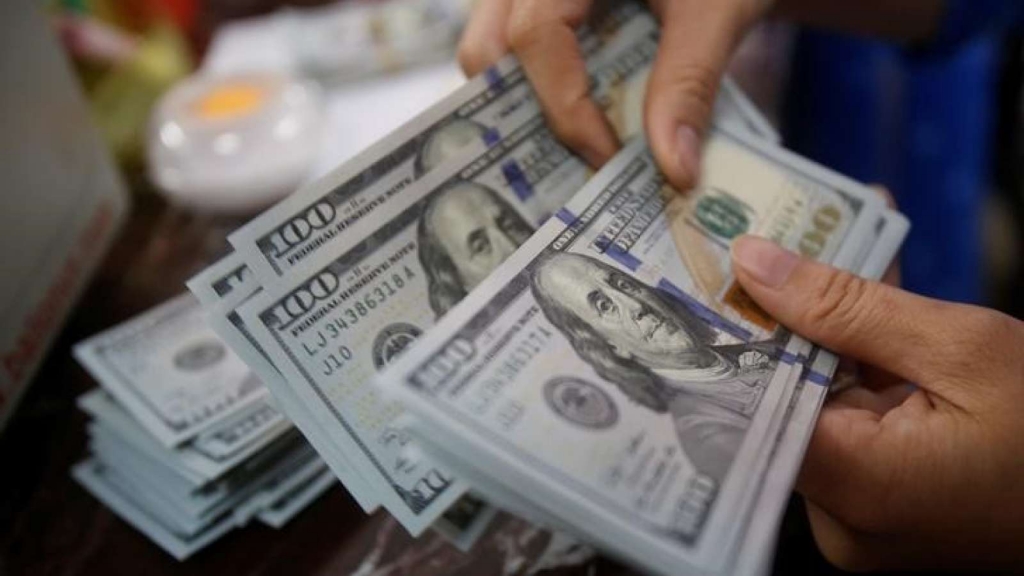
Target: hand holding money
x=684 y=80
x=700 y=38
x=603 y=307
x=902 y=476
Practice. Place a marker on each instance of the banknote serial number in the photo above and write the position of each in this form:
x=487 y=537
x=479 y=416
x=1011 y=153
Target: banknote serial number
x=350 y=317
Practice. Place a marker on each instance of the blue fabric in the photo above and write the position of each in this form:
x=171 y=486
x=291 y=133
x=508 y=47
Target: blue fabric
x=919 y=125
x=965 y=19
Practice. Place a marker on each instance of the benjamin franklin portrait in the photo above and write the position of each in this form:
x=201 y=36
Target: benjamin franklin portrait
x=445 y=142
x=657 y=353
x=465 y=232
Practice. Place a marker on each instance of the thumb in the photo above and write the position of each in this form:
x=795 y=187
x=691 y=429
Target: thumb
x=697 y=40
x=905 y=334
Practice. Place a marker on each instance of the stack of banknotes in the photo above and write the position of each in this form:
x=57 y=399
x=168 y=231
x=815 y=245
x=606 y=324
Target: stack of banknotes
x=465 y=317
x=185 y=440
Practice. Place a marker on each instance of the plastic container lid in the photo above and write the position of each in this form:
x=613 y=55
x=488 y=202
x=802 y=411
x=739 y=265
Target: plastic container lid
x=235 y=143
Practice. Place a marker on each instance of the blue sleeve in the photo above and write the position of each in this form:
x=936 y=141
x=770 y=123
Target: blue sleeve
x=967 y=18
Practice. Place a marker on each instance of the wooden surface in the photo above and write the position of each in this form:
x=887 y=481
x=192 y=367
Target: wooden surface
x=50 y=525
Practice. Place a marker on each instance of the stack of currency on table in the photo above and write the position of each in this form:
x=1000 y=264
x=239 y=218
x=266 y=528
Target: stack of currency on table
x=186 y=442
x=464 y=317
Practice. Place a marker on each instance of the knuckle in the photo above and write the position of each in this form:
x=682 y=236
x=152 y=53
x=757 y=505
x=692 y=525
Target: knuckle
x=982 y=337
x=984 y=329
x=840 y=302
x=520 y=33
x=694 y=82
x=527 y=24
x=994 y=326
x=531 y=20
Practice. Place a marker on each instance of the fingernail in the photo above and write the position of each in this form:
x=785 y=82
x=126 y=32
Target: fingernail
x=766 y=261
x=688 y=151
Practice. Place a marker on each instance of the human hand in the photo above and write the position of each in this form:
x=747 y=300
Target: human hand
x=697 y=40
x=896 y=475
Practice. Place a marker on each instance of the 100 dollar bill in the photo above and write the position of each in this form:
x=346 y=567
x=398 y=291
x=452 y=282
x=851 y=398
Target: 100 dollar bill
x=316 y=218
x=481 y=206
x=443 y=236
x=598 y=375
x=313 y=218
x=222 y=288
x=178 y=379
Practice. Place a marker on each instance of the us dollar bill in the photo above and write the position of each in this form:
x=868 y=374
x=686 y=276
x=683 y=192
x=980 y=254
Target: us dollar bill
x=419 y=255
x=224 y=287
x=99 y=480
x=207 y=457
x=177 y=379
x=527 y=167
x=447 y=233
x=316 y=219
x=291 y=504
x=315 y=215
x=664 y=387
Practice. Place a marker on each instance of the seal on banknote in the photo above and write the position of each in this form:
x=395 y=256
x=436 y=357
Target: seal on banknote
x=199 y=356
x=391 y=341
x=581 y=402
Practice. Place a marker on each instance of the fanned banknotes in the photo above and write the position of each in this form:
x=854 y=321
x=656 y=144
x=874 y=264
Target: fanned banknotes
x=490 y=150
x=596 y=369
x=621 y=335
x=481 y=114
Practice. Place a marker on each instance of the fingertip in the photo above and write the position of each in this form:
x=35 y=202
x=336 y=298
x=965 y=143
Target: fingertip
x=676 y=141
x=580 y=125
x=475 y=54
x=763 y=261
x=674 y=151
x=483 y=40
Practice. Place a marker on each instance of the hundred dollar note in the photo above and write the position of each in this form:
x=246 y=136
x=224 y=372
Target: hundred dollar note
x=222 y=288
x=225 y=286
x=420 y=254
x=315 y=219
x=595 y=375
x=204 y=458
x=97 y=478
x=177 y=378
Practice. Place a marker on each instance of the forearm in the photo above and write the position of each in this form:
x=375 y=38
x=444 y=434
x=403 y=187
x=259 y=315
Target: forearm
x=909 y=21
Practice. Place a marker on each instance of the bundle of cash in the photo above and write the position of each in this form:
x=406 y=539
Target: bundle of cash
x=465 y=317
x=185 y=441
